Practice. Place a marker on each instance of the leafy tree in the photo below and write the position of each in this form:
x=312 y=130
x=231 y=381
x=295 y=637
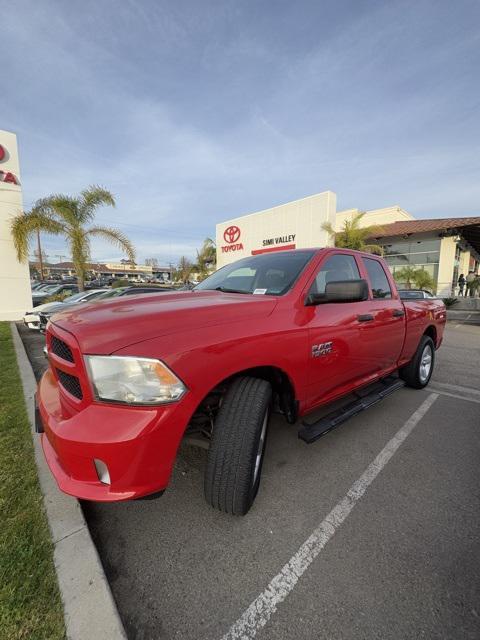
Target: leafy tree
x=353 y=236
x=183 y=270
x=206 y=258
x=68 y=216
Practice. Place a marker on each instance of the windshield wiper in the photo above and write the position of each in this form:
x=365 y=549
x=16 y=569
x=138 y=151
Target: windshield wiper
x=227 y=290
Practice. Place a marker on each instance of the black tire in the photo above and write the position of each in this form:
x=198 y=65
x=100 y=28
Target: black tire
x=412 y=373
x=231 y=482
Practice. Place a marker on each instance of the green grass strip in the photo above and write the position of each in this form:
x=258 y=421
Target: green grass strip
x=30 y=604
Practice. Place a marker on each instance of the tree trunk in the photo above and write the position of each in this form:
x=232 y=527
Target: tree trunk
x=80 y=272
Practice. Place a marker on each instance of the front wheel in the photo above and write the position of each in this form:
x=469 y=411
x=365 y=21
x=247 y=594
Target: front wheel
x=235 y=457
x=418 y=371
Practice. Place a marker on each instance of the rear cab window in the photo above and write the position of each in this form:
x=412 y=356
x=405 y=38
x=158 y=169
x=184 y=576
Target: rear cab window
x=378 y=278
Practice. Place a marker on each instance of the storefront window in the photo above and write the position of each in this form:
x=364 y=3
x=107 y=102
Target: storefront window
x=419 y=254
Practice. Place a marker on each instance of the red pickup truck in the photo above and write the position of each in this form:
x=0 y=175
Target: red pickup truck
x=281 y=332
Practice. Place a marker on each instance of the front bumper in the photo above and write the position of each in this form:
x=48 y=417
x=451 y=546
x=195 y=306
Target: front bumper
x=137 y=444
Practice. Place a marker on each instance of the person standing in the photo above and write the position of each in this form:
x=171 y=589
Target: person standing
x=461 y=284
x=470 y=278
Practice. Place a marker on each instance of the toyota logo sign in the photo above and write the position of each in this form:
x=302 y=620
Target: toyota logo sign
x=231 y=234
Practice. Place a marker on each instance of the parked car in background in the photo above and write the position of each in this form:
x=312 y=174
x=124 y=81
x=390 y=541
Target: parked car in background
x=415 y=294
x=40 y=284
x=44 y=316
x=32 y=319
x=98 y=283
x=132 y=290
x=39 y=297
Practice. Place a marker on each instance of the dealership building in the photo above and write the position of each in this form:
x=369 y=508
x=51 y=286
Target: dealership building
x=444 y=247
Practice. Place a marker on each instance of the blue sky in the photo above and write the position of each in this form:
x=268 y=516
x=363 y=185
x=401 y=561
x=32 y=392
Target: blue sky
x=193 y=112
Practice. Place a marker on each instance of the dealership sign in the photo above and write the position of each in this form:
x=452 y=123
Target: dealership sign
x=6 y=176
x=268 y=242
x=231 y=235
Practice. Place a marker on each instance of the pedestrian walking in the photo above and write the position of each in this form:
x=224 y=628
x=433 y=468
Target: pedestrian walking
x=461 y=284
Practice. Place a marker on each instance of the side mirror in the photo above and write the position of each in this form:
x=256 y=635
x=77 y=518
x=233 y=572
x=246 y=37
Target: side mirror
x=341 y=291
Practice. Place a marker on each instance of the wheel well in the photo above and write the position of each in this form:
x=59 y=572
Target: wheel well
x=283 y=391
x=432 y=333
x=282 y=386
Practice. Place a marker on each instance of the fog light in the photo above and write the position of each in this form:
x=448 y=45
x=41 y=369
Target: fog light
x=102 y=471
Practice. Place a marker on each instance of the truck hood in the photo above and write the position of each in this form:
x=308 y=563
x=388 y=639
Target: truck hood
x=104 y=326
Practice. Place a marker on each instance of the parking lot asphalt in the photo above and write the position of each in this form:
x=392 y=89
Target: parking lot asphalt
x=334 y=546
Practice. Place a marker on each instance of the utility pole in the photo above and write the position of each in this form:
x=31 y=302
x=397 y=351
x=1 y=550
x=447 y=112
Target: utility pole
x=40 y=258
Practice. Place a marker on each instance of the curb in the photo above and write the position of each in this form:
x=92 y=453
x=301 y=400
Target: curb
x=89 y=608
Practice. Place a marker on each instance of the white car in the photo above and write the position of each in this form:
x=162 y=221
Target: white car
x=32 y=320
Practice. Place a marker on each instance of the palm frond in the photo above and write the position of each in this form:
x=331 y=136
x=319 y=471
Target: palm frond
x=328 y=227
x=25 y=225
x=114 y=236
x=377 y=249
x=92 y=198
x=64 y=207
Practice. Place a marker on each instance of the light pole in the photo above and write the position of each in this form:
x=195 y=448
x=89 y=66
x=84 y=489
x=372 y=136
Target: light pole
x=40 y=257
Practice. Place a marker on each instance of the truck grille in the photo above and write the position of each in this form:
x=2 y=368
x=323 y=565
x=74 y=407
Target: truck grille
x=70 y=383
x=61 y=349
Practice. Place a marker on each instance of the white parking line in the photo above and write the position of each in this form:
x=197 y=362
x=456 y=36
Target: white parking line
x=455 y=387
x=455 y=395
x=262 y=608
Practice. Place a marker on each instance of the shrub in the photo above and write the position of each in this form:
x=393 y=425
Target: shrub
x=449 y=302
x=59 y=297
x=121 y=282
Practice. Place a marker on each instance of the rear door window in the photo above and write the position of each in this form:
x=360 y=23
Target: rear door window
x=378 y=278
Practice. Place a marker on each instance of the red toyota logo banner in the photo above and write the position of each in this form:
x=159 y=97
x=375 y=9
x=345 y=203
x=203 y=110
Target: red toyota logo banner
x=231 y=234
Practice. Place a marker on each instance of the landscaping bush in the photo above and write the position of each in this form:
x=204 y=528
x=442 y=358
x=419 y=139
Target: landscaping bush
x=59 y=297
x=121 y=282
x=449 y=302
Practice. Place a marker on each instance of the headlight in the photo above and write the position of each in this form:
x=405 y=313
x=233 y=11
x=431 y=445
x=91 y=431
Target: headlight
x=133 y=380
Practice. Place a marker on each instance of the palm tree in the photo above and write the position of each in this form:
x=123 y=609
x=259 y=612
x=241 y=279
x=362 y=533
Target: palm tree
x=406 y=275
x=67 y=216
x=423 y=280
x=353 y=236
x=206 y=258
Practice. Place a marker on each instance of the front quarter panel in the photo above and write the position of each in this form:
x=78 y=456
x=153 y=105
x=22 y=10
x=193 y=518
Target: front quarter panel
x=204 y=357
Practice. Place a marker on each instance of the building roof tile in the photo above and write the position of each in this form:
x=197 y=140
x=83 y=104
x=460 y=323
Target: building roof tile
x=404 y=227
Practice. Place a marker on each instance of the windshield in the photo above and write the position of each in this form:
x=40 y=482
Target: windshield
x=271 y=274
x=47 y=288
x=76 y=296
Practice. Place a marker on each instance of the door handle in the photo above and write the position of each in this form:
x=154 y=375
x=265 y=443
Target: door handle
x=365 y=317
x=398 y=313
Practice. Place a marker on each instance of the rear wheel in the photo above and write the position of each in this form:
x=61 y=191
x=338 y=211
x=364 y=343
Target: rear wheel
x=418 y=371
x=235 y=457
